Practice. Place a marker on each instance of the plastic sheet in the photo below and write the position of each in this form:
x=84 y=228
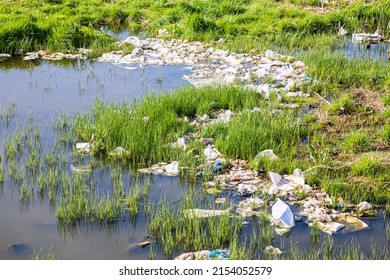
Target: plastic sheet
x=282 y=215
x=204 y=213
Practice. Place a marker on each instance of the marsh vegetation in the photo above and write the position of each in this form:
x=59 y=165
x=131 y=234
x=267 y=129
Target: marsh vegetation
x=340 y=135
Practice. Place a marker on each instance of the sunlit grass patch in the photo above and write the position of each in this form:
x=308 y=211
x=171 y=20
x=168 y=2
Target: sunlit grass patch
x=355 y=142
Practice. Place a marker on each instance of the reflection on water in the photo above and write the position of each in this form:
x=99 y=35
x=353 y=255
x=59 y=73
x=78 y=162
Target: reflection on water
x=48 y=90
x=374 y=51
x=51 y=89
x=47 y=87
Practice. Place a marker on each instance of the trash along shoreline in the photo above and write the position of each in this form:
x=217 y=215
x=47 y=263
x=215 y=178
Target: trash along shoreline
x=215 y=67
x=265 y=99
x=267 y=74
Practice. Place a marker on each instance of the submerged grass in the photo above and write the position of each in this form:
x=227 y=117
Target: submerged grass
x=146 y=129
x=179 y=232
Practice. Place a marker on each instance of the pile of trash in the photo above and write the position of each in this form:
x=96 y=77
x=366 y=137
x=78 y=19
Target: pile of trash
x=316 y=208
x=41 y=54
x=171 y=169
x=219 y=116
x=374 y=38
x=4 y=56
x=219 y=254
x=264 y=73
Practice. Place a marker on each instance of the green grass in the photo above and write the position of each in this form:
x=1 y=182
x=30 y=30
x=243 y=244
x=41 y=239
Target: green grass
x=78 y=202
x=297 y=140
x=355 y=142
x=40 y=255
x=250 y=133
x=368 y=166
x=384 y=135
x=344 y=104
x=178 y=232
x=70 y=24
x=346 y=72
x=147 y=129
x=246 y=25
x=386 y=99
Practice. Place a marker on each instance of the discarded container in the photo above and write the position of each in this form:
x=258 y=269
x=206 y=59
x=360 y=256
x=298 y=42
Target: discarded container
x=266 y=154
x=118 y=152
x=282 y=215
x=172 y=168
x=186 y=256
x=80 y=169
x=351 y=223
x=364 y=206
x=264 y=90
x=272 y=250
x=249 y=207
x=275 y=178
x=144 y=244
x=83 y=147
x=217 y=168
x=204 y=213
x=366 y=37
x=211 y=153
x=219 y=254
x=331 y=227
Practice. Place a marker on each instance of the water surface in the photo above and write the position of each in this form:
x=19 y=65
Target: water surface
x=49 y=89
